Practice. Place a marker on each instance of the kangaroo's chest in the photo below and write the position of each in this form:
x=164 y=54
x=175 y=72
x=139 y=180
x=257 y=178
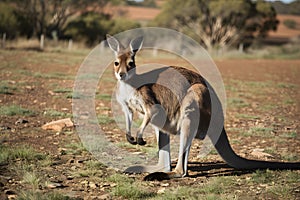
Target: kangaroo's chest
x=128 y=96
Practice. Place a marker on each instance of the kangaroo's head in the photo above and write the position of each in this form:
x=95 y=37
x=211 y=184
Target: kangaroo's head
x=125 y=57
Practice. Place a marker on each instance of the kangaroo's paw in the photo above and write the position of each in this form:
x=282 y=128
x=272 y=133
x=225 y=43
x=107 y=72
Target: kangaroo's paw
x=141 y=141
x=130 y=139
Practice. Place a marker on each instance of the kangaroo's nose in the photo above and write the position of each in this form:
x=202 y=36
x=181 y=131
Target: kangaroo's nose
x=122 y=75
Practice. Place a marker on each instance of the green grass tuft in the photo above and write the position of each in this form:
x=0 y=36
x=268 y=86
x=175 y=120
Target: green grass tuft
x=55 y=113
x=104 y=119
x=215 y=188
x=263 y=176
x=105 y=97
x=75 y=148
x=9 y=154
x=13 y=110
x=237 y=102
x=62 y=90
x=289 y=135
x=259 y=131
x=247 y=116
x=32 y=179
x=35 y=195
x=286 y=85
x=128 y=188
x=5 y=88
x=55 y=75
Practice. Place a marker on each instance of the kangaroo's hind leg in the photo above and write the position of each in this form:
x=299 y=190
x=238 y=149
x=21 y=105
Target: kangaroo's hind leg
x=189 y=127
x=188 y=131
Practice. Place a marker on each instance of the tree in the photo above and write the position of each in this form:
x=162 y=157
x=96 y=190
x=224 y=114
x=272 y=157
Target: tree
x=48 y=16
x=92 y=27
x=8 y=20
x=122 y=24
x=219 y=23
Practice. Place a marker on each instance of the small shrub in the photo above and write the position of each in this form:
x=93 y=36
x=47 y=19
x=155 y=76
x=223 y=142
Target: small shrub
x=32 y=179
x=289 y=23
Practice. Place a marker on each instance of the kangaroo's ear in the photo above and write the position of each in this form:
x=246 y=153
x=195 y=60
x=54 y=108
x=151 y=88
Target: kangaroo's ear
x=136 y=44
x=113 y=43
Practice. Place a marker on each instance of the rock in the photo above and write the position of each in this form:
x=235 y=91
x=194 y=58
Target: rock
x=164 y=184
x=51 y=92
x=62 y=151
x=260 y=154
x=21 y=121
x=70 y=161
x=161 y=191
x=93 y=185
x=54 y=185
x=4 y=128
x=29 y=87
x=10 y=194
x=113 y=185
x=58 y=125
x=137 y=153
x=104 y=196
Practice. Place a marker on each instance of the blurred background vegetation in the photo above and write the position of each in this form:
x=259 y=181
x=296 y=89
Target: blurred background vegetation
x=217 y=24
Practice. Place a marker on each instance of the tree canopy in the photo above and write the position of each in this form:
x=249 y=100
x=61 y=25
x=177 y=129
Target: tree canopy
x=219 y=23
x=83 y=20
x=45 y=17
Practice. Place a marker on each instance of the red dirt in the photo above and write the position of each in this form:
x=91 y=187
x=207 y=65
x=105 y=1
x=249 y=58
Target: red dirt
x=285 y=32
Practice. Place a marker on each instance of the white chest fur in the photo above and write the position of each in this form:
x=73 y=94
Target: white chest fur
x=129 y=97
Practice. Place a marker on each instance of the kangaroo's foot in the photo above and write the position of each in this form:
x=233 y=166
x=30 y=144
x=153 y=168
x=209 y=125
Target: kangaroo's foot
x=131 y=139
x=160 y=176
x=141 y=141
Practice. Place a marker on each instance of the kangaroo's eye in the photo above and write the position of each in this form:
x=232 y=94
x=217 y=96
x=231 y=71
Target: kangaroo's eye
x=131 y=63
x=117 y=63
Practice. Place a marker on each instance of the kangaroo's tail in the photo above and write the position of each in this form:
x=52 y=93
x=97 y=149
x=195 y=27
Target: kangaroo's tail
x=226 y=152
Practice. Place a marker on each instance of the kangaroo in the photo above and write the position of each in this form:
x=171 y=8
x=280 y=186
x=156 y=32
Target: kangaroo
x=174 y=100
